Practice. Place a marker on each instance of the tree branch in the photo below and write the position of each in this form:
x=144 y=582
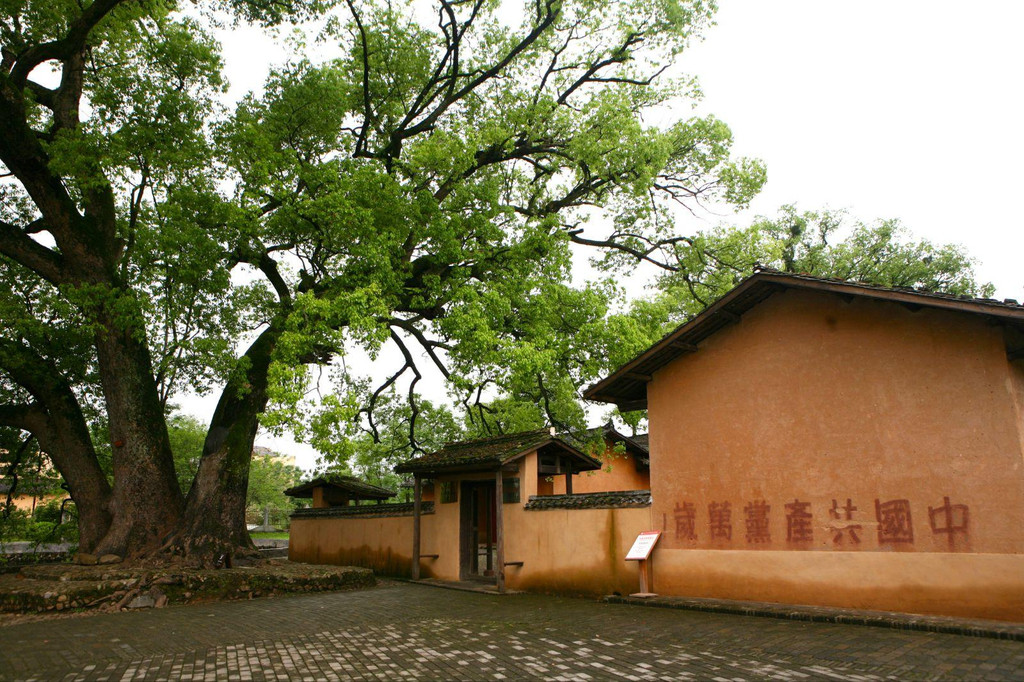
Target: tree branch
x=12 y=472
x=574 y=235
x=413 y=407
x=367 y=107
x=407 y=129
x=18 y=246
x=425 y=343
x=72 y=42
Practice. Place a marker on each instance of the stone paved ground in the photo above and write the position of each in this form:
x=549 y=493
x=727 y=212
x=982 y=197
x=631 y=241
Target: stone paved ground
x=403 y=631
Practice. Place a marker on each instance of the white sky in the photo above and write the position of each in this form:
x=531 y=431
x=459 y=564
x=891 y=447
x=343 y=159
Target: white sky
x=896 y=109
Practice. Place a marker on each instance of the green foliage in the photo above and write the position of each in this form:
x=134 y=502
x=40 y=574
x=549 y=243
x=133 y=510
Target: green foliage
x=24 y=470
x=371 y=454
x=43 y=526
x=447 y=217
x=280 y=535
x=54 y=522
x=15 y=525
x=187 y=436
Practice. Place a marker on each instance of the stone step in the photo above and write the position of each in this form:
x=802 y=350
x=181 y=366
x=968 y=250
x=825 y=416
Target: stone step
x=19 y=595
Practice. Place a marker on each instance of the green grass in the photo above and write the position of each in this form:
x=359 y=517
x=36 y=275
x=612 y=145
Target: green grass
x=282 y=535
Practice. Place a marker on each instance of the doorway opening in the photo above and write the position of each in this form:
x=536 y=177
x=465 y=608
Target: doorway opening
x=478 y=531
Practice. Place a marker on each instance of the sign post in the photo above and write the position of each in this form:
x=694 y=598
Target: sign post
x=641 y=552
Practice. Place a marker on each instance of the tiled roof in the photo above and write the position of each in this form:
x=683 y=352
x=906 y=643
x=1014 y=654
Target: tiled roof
x=627 y=386
x=636 y=443
x=643 y=440
x=611 y=500
x=363 y=510
x=490 y=453
x=353 y=486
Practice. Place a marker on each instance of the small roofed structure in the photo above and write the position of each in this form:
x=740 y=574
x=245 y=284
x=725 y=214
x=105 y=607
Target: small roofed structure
x=338 y=490
x=625 y=463
x=635 y=445
x=472 y=463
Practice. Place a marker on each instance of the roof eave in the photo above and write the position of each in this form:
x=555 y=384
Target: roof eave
x=602 y=390
x=620 y=387
x=377 y=493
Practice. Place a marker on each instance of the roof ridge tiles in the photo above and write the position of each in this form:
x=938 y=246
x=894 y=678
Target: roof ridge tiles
x=921 y=291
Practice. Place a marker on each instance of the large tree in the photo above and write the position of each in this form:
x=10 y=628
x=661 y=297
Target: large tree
x=425 y=190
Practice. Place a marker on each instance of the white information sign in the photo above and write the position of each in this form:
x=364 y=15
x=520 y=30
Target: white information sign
x=643 y=545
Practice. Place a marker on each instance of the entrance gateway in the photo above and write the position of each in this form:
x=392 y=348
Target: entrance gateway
x=471 y=483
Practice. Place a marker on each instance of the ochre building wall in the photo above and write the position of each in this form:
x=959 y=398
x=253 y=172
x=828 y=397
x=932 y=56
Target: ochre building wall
x=618 y=472
x=573 y=551
x=29 y=503
x=848 y=453
x=381 y=543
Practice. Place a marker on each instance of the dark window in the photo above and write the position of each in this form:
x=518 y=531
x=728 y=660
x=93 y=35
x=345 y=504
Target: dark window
x=510 y=490
x=449 y=492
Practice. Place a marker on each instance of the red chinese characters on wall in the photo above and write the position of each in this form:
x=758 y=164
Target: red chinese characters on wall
x=894 y=523
x=798 y=522
x=686 y=521
x=950 y=520
x=756 y=519
x=843 y=532
x=720 y=521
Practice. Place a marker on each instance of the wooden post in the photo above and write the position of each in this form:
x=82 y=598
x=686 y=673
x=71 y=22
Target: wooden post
x=500 y=530
x=568 y=480
x=644 y=587
x=416 y=497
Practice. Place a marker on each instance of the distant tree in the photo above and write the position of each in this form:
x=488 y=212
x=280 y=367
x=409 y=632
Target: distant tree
x=187 y=435
x=819 y=243
x=24 y=471
x=269 y=477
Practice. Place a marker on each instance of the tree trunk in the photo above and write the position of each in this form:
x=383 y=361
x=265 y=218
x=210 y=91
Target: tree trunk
x=58 y=425
x=214 y=521
x=75 y=459
x=146 y=504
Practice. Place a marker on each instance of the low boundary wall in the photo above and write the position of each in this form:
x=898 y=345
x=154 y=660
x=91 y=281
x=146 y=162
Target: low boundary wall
x=567 y=544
